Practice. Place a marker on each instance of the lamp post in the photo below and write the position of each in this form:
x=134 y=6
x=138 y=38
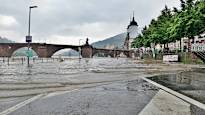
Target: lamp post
x=29 y=37
x=79 y=48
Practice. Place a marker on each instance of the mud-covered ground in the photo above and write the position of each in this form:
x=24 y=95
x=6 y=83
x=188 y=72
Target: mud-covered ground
x=88 y=87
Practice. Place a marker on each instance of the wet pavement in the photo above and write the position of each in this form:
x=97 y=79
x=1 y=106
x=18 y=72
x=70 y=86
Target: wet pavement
x=105 y=86
x=10 y=102
x=119 y=98
x=102 y=86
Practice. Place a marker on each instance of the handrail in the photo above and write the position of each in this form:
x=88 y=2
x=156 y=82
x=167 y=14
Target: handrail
x=197 y=47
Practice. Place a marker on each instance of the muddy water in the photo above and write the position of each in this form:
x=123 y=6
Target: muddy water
x=102 y=86
x=19 y=82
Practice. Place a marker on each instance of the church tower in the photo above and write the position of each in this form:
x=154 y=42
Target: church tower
x=132 y=33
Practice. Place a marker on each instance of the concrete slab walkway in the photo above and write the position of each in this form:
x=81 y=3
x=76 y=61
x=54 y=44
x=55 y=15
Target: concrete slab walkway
x=164 y=103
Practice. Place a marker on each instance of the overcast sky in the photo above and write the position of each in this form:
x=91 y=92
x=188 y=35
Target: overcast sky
x=67 y=21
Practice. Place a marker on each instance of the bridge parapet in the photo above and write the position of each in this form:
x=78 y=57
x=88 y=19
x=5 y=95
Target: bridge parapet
x=198 y=47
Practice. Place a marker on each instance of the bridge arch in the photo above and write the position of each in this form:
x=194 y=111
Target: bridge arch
x=22 y=52
x=66 y=52
x=102 y=54
x=122 y=54
x=10 y=49
x=113 y=52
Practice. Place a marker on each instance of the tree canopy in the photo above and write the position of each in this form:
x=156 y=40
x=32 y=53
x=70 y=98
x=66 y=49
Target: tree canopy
x=174 y=24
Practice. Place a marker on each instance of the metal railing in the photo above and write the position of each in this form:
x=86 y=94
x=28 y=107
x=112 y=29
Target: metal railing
x=198 y=47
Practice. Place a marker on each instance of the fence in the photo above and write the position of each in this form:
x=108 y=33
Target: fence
x=198 y=47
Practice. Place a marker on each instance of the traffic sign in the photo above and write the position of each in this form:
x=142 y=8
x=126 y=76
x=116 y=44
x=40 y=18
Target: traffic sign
x=29 y=53
x=28 y=39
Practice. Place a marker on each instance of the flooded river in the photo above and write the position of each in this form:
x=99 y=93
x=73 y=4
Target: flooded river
x=48 y=75
x=98 y=86
x=106 y=77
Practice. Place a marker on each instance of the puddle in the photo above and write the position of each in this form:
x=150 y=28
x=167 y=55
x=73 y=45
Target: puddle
x=191 y=84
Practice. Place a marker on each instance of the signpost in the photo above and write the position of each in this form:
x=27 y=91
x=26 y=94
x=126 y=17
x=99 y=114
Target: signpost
x=29 y=53
x=29 y=37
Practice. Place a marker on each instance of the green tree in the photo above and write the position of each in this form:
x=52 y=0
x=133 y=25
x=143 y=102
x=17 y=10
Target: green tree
x=189 y=21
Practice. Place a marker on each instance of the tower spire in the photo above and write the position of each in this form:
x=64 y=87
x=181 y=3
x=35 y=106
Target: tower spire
x=133 y=15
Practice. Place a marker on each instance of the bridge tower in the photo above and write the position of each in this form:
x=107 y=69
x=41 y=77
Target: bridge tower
x=87 y=50
x=132 y=33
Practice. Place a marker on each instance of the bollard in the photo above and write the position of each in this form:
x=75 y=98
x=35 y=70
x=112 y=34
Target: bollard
x=8 y=61
x=3 y=60
x=22 y=61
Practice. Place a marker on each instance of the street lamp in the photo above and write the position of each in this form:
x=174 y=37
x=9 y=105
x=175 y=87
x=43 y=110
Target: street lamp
x=29 y=37
x=79 y=48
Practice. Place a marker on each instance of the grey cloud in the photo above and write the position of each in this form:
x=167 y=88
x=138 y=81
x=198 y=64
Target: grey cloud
x=66 y=17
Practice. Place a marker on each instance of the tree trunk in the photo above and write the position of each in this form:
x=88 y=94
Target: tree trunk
x=189 y=45
x=180 y=44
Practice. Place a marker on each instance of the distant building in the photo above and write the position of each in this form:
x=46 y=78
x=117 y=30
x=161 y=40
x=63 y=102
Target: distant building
x=184 y=43
x=132 y=33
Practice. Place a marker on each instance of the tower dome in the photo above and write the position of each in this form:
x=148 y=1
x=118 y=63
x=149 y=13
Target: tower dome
x=132 y=28
x=132 y=23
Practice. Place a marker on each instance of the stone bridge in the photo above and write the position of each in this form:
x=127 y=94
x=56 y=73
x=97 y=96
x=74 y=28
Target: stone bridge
x=41 y=49
x=44 y=50
x=113 y=52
